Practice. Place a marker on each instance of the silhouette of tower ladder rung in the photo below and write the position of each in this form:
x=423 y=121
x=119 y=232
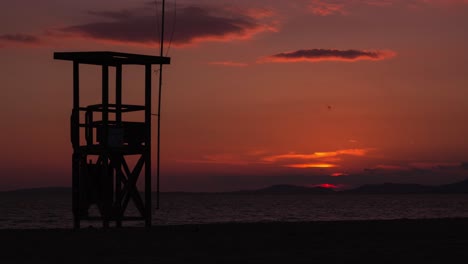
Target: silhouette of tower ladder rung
x=103 y=144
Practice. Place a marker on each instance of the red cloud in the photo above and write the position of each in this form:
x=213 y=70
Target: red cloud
x=323 y=8
x=339 y=174
x=315 y=160
x=317 y=55
x=317 y=155
x=319 y=160
x=311 y=165
x=260 y=13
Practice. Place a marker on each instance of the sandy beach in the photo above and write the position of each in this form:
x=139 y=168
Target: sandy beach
x=391 y=241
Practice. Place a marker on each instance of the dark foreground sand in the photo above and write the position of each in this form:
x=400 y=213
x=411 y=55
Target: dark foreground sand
x=395 y=241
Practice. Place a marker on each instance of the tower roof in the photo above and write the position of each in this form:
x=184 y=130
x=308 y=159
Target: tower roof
x=110 y=58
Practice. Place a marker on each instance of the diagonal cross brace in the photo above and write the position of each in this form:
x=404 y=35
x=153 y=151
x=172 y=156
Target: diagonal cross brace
x=129 y=181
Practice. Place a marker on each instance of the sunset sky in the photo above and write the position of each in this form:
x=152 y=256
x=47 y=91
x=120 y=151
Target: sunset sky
x=306 y=92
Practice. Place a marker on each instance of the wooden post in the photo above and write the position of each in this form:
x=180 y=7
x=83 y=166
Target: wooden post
x=147 y=152
x=118 y=162
x=75 y=138
x=118 y=93
x=105 y=140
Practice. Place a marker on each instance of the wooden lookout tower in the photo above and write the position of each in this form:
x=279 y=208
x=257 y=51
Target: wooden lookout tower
x=103 y=140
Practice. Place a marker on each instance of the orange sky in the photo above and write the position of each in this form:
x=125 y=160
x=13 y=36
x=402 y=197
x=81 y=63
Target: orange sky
x=259 y=92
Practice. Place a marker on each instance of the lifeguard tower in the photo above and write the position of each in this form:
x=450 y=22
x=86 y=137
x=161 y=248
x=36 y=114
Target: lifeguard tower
x=103 y=139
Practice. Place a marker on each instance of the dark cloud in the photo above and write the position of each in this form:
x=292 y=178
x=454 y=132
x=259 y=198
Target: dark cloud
x=193 y=24
x=19 y=39
x=314 y=55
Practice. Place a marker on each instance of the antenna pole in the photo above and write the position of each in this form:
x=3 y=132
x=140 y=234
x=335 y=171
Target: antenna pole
x=159 y=104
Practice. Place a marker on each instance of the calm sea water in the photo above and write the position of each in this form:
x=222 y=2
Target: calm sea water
x=54 y=211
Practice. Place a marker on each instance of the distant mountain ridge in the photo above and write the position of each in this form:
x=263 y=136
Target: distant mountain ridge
x=385 y=188
x=396 y=188
x=392 y=188
x=458 y=187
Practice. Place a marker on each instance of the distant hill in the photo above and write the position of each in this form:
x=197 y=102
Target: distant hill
x=391 y=188
x=396 y=188
x=458 y=187
x=289 y=189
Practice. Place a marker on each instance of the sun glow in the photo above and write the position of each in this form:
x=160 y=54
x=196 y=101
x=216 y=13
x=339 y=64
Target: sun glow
x=318 y=155
x=339 y=174
x=311 y=165
x=327 y=185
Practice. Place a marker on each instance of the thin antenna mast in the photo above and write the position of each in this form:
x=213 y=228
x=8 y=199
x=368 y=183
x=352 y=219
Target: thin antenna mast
x=159 y=104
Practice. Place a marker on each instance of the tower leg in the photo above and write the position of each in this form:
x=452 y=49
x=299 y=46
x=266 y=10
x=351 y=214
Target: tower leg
x=76 y=222
x=117 y=206
x=147 y=151
x=75 y=190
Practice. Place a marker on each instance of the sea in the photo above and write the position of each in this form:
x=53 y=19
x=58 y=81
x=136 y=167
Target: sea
x=43 y=211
